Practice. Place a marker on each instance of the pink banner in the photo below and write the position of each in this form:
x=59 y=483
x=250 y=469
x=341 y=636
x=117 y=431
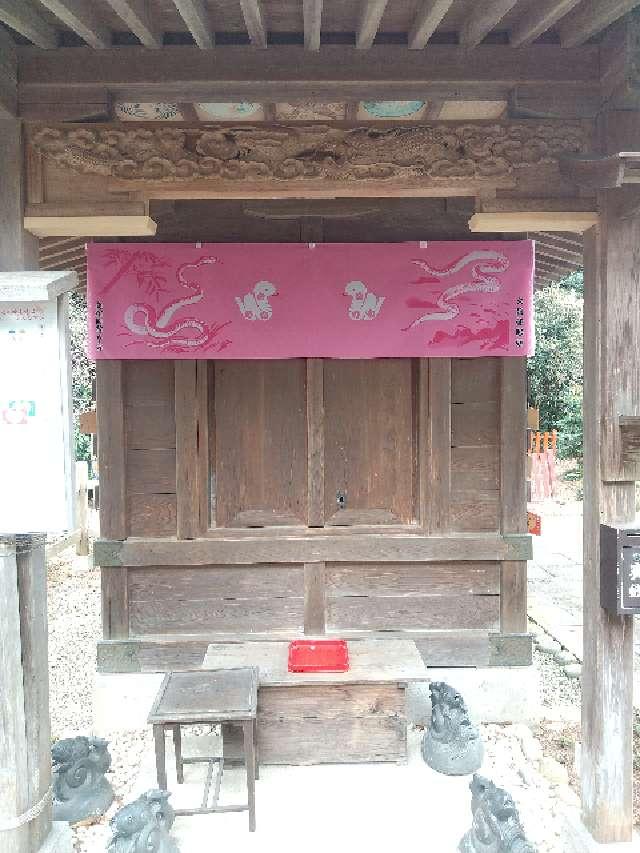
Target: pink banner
x=288 y=300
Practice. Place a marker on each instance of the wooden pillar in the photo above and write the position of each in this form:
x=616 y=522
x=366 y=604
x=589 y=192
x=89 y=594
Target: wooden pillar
x=25 y=736
x=611 y=387
x=18 y=249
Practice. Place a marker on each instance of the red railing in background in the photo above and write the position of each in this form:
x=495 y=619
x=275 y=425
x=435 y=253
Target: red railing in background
x=542 y=464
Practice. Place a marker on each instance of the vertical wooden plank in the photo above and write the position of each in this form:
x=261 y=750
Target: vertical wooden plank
x=513 y=506
x=187 y=457
x=315 y=442
x=111 y=448
x=13 y=755
x=82 y=508
x=113 y=508
x=607 y=672
x=202 y=396
x=314 y=598
x=18 y=249
x=32 y=588
x=438 y=475
x=423 y=465
x=311 y=231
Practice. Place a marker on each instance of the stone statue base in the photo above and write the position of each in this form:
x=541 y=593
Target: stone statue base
x=86 y=805
x=453 y=759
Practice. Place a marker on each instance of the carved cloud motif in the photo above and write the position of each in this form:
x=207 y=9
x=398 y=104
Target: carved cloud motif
x=436 y=151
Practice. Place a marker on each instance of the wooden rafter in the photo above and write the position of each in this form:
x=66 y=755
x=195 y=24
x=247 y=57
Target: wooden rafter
x=312 y=14
x=80 y=17
x=195 y=15
x=538 y=19
x=23 y=17
x=137 y=16
x=591 y=17
x=483 y=19
x=428 y=16
x=254 y=21
x=371 y=12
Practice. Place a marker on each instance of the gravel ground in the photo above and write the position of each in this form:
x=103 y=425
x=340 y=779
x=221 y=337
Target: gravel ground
x=515 y=759
x=74 y=629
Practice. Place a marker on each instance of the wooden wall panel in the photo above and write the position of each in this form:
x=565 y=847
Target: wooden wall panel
x=369 y=440
x=260 y=443
x=238 y=599
x=475 y=428
x=149 y=415
x=412 y=596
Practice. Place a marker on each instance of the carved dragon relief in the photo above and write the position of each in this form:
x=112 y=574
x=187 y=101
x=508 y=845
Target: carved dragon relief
x=432 y=152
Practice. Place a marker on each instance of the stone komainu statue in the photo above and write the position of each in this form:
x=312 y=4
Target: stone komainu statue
x=452 y=744
x=496 y=826
x=80 y=789
x=143 y=826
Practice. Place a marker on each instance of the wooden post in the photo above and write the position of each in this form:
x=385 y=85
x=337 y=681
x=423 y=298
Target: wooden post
x=25 y=737
x=82 y=508
x=611 y=337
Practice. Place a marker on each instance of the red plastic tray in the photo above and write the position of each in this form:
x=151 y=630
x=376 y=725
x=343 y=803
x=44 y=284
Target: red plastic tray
x=318 y=656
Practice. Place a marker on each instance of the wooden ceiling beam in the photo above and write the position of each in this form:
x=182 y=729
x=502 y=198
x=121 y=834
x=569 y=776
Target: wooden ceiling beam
x=538 y=19
x=312 y=15
x=23 y=17
x=137 y=17
x=590 y=18
x=483 y=19
x=254 y=22
x=371 y=12
x=294 y=74
x=518 y=222
x=196 y=16
x=428 y=17
x=80 y=17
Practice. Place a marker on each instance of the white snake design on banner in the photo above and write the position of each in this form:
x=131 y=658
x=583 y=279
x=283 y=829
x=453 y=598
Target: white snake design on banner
x=486 y=266
x=141 y=318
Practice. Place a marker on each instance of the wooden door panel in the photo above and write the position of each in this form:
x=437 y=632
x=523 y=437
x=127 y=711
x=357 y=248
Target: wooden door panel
x=259 y=463
x=369 y=441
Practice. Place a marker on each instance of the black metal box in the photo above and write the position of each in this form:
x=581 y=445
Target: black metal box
x=620 y=569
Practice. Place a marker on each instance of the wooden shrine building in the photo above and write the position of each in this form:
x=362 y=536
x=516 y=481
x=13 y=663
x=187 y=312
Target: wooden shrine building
x=275 y=498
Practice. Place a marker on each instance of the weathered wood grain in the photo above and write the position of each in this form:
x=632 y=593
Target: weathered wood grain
x=152 y=515
x=475 y=511
x=150 y=427
x=369 y=440
x=315 y=442
x=203 y=441
x=475 y=380
x=215 y=582
x=475 y=468
x=149 y=382
x=111 y=448
x=412 y=579
x=115 y=602
x=261 y=438
x=149 y=471
x=474 y=424
x=611 y=329
x=356 y=547
x=314 y=598
x=420 y=612
x=439 y=437
x=186 y=455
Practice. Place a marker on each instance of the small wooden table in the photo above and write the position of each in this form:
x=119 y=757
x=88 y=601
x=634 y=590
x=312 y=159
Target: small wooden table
x=329 y=717
x=227 y=696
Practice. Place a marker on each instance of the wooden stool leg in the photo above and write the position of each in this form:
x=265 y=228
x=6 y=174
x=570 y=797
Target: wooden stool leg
x=161 y=770
x=250 y=762
x=177 y=746
x=255 y=747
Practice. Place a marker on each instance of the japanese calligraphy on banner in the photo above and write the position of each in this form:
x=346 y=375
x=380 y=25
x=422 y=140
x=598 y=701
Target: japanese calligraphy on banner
x=333 y=300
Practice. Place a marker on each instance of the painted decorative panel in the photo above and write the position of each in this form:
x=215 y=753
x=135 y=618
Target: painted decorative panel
x=239 y=111
x=311 y=111
x=334 y=300
x=128 y=111
x=392 y=110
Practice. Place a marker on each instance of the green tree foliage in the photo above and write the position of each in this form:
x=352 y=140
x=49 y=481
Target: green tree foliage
x=83 y=371
x=555 y=371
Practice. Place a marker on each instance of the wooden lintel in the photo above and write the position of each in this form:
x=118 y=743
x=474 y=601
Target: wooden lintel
x=630 y=436
x=243 y=550
x=294 y=74
x=517 y=222
x=90 y=226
